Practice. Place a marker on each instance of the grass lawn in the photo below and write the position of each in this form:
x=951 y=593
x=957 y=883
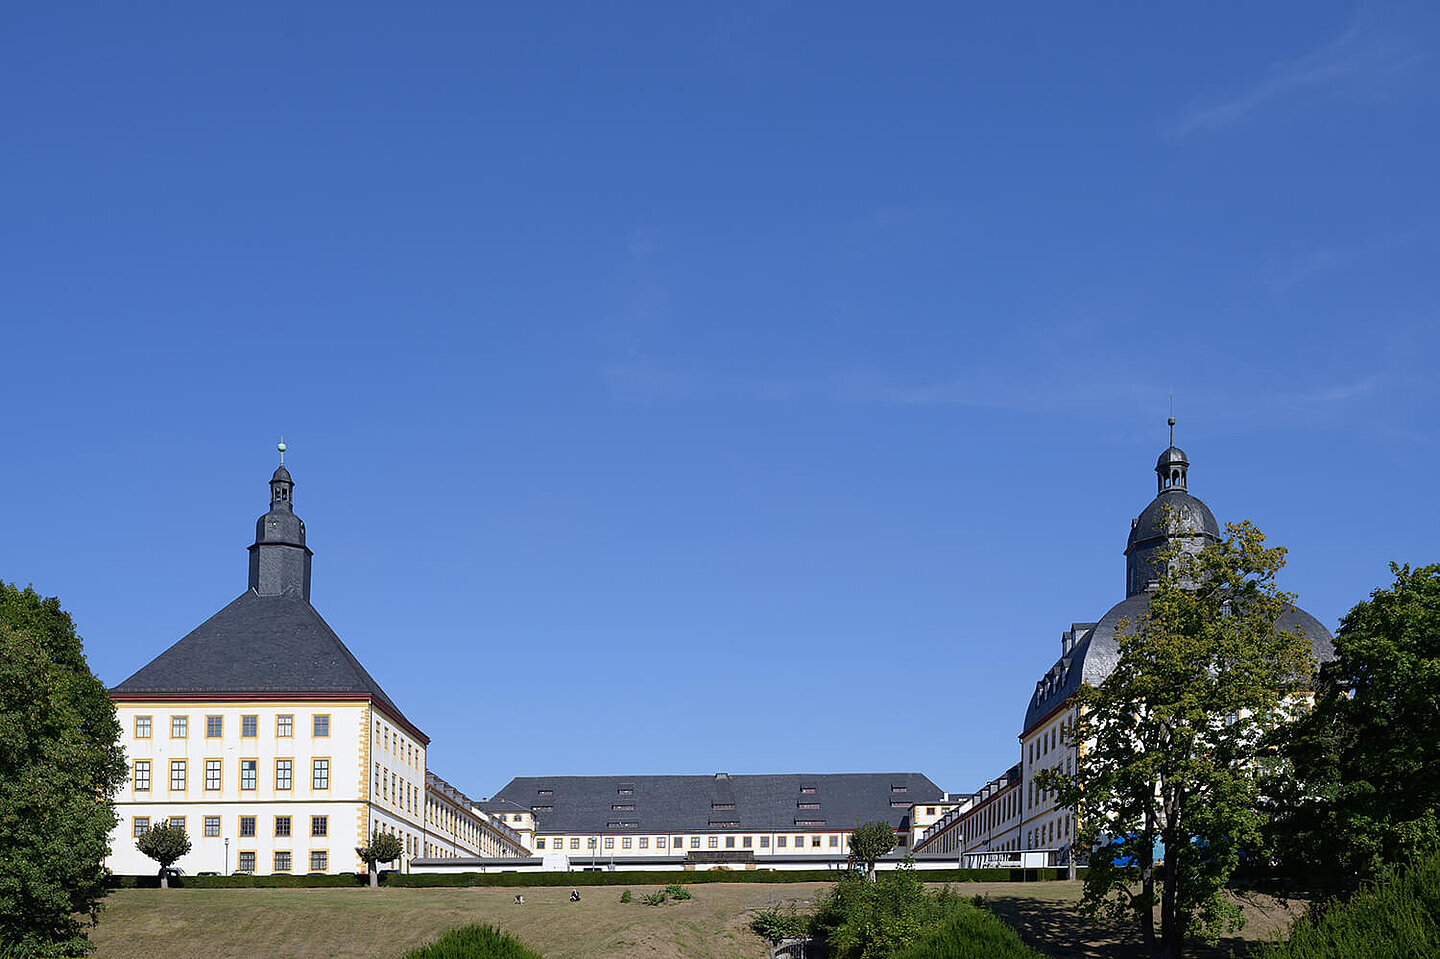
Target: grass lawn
x=382 y=924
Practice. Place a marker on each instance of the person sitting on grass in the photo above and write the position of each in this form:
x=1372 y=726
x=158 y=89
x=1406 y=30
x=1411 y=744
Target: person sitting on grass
x=519 y=900
x=574 y=895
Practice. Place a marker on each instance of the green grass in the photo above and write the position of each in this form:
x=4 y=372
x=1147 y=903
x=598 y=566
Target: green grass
x=475 y=941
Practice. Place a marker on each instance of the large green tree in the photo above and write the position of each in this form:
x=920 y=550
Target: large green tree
x=1173 y=741
x=1363 y=784
x=60 y=762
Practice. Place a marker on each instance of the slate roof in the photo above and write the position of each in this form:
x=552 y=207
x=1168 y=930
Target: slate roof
x=1097 y=651
x=260 y=645
x=588 y=804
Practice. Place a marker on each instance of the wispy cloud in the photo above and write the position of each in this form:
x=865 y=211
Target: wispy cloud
x=1358 y=59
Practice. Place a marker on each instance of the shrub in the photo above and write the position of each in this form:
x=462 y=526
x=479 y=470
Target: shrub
x=654 y=898
x=1398 y=916
x=678 y=892
x=626 y=897
x=473 y=942
x=859 y=919
x=970 y=933
x=773 y=925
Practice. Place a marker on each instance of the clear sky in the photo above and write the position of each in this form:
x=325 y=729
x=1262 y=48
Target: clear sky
x=693 y=387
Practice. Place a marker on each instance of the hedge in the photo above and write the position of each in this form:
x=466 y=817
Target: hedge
x=538 y=879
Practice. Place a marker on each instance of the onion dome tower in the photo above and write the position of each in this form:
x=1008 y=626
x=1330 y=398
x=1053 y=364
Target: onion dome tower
x=1173 y=518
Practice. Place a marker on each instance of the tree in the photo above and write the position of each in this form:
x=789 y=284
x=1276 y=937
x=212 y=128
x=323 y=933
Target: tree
x=60 y=762
x=1364 y=789
x=870 y=841
x=1174 y=741
x=165 y=844
x=382 y=847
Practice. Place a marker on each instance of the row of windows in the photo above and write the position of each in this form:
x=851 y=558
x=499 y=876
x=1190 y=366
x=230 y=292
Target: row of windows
x=1048 y=740
x=663 y=842
x=392 y=787
x=249 y=774
x=319 y=861
x=391 y=741
x=1050 y=833
x=249 y=726
x=245 y=825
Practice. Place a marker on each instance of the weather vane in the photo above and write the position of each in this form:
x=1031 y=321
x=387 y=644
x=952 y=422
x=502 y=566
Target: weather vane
x=1171 y=421
x=281 y=447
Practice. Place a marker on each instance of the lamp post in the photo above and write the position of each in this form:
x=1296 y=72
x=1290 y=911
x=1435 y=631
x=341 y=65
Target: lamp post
x=227 y=857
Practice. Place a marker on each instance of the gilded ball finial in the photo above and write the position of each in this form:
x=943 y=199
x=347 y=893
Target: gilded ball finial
x=1171 y=421
x=281 y=447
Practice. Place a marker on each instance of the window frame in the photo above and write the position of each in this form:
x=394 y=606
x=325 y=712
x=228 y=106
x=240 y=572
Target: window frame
x=181 y=723
x=285 y=721
x=315 y=726
x=289 y=774
x=184 y=778
x=254 y=774
x=218 y=767
x=216 y=723
x=252 y=724
x=135 y=776
x=149 y=726
x=315 y=774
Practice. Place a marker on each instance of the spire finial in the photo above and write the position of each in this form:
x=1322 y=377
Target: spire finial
x=281 y=447
x=1172 y=430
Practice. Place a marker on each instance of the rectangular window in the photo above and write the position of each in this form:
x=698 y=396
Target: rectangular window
x=929 y=810
x=713 y=842
x=764 y=842
x=816 y=805
x=644 y=842
x=141 y=826
x=212 y=825
x=319 y=774
x=540 y=843
x=659 y=842
x=694 y=842
x=320 y=726
x=177 y=775
x=815 y=841
x=319 y=825
x=247 y=773
x=212 y=774
x=282 y=826
x=747 y=842
x=282 y=862
x=590 y=843
x=177 y=822
x=142 y=727
x=625 y=843
x=546 y=792
x=179 y=727
x=283 y=768
x=574 y=843
x=284 y=726
x=807 y=790
x=246 y=862
x=897 y=789
x=249 y=726
x=214 y=727
x=780 y=841
x=834 y=841
x=247 y=826
x=729 y=842
x=142 y=775
x=319 y=860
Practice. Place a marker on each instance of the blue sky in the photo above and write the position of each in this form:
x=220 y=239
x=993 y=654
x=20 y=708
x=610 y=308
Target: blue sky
x=685 y=387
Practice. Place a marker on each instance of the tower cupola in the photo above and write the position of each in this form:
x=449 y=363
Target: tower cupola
x=279 y=558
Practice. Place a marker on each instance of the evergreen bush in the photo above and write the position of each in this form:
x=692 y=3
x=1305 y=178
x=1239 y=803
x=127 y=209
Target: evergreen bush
x=473 y=942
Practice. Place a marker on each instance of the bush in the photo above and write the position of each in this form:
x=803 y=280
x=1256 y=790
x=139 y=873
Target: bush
x=860 y=919
x=678 y=892
x=654 y=898
x=473 y=942
x=773 y=925
x=971 y=933
x=626 y=897
x=1398 y=916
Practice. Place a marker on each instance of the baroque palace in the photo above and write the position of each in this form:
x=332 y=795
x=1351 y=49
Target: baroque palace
x=268 y=741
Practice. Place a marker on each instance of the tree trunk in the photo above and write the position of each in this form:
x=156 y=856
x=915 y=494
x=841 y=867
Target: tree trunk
x=1147 y=884
x=1171 y=943
x=374 y=875
x=164 y=877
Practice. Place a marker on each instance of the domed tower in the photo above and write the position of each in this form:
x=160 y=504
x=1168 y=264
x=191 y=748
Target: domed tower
x=279 y=558
x=1173 y=518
